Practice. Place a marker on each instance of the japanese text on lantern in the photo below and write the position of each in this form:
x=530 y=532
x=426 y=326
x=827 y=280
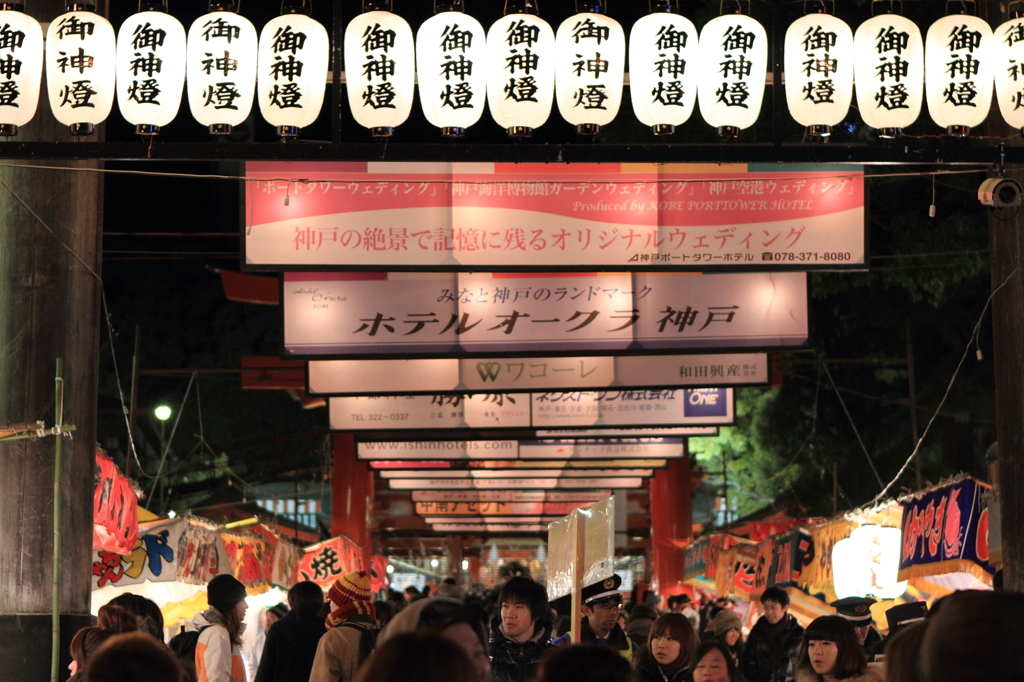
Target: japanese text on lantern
x=590 y=95
x=892 y=69
x=378 y=44
x=286 y=46
x=220 y=33
x=10 y=41
x=669 y=66
x=963 y=66
x=77 y=93
x=819 y=66
x=456 y=69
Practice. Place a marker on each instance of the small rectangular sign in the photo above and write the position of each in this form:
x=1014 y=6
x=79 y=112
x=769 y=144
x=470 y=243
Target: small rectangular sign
x=512 y=465
x=460 y=314
x=515 y=483
x=431 y=520
x=677 y=407
x=581 y=498
x=667 y=432
x=515 y=473
x=451 y=375
x=497 y=508
x=538 y=217
x=489 y=450
x=490 y=528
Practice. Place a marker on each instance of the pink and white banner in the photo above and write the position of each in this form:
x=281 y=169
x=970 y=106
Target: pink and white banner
x=583 y=498
x=499 y=216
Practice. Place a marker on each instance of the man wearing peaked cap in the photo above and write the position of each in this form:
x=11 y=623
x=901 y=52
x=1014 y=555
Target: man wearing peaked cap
x=857 y=610
x=903 y=615
x=602 y=603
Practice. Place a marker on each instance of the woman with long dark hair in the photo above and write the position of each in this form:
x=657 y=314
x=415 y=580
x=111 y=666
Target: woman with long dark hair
x=726 y=626
x=219 y=647
x=111 y=620
x=667 y=653
x=832 y=652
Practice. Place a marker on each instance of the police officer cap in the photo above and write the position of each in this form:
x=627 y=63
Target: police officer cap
x=857 y=610
x=905 y=614
x=603 y=589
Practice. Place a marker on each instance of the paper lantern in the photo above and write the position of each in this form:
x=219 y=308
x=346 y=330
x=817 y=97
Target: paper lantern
x=958 y=72
x=663 y=66
x=80 y=56
x=21 y=69
x=734 y=60
x=866 y=563
x=150 y=70
x=292 y=72
x=590 y=61
x=451 y=64
x=520 y=72
x=380 y=69
x=1008 y=65
x=818 y=61
x=221 y=70
x=889 y=71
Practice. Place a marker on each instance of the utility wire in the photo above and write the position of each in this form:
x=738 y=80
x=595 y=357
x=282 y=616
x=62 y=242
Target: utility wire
x=855 y=431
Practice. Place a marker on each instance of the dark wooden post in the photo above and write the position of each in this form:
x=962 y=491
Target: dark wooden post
x=49 y=309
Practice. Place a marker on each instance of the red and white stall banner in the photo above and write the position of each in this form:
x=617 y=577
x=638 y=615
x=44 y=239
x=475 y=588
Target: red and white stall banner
x=377 y=315
x=498 y=216
x=115 y=519
x=582 y=498
x=499 y=375
x=326 y=561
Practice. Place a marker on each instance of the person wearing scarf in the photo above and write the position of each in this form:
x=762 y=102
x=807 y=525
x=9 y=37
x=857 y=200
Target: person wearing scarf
x=337 y=654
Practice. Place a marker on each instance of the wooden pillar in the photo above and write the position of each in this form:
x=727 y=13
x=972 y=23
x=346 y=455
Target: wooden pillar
x=671 y=526
x=455 y=558
x=49 y=309
x=351 y=496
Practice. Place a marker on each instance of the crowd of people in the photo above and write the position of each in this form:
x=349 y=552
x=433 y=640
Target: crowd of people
x=522 y=637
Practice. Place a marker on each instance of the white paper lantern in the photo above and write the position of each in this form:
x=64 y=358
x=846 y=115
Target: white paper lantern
x=866 y=563
x=663 y=67
x=80 y=56
x=590 y=62
x=221 y=70
x=21 y=69
x=1008 y=65
x=380 y=70
x=292 y=72
x=150 y=70
x=520 y=72
x=818 y=61
x=889 y=71
x=734 y=61
x=451 y=64
x=958 y=72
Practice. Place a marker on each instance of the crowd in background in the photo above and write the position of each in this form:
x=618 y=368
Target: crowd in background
x=517 y=635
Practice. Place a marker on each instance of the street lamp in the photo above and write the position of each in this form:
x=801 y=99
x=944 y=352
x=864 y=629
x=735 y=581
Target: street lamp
x=163 y=413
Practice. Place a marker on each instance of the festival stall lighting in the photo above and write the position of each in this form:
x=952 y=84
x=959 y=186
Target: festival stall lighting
x=866 y=563
x=734 y=52
x=80 y=56
x=663 y=65
x=590 y=62
x=1008 y=63
x=958 y=69
x=819 y=69
x=889 y=70
x=150 y=69
x=520 y=69
x=380 y=68
x=21 y=67
x=221 y=68
x=451 y=64
x=292 y=70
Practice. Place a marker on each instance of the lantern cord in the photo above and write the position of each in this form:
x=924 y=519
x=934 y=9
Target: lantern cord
x=854 y=426
x=971 y=341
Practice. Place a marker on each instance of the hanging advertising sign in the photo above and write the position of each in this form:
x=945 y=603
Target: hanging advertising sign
x=251 y=559
x=514 y=467
x=734 y=55
x=817 y=576
x=941 y=533
x=150 y=69
x=490 y=528
x=496 y=508
x=115 y=519
x=503 y=217
x=626 y=482
x=81 y=52
x=663 y=67
x=695 y=559
x=201 y=555
x=958 y=72
x=590 y=60
x=380 y=70
x=819 y=70
x=451 y=67
x=326 y=561
x=154 y=556
x=640 y=448
x=888 y=68
x=625 y=408
x=292 y=72
x=21 y=59
x=475 y=474
x=791 y=553
x=449 y=375
x=668 y=432
x=520 y=72
x=763 y=567
x=582 y=498
x=450 y=314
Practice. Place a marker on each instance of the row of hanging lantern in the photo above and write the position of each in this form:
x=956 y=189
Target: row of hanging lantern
x=519 y=68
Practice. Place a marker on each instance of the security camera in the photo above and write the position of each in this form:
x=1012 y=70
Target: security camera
x=1000 y=192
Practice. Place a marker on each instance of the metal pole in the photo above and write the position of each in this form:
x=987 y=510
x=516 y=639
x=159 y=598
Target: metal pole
x=913 y=406
x=58 y=455
x=134 y=404
x=579 y=560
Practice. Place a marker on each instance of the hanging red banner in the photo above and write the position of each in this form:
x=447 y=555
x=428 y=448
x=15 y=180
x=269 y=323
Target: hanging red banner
x=115 y=520
x=325 y=562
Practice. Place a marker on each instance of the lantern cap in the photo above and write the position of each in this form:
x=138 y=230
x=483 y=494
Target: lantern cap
x=287 y=132
x=817 y=7
x=820 y=131
x=521 y=7
x=958 y=131
x=588 y=128
x=222 y=6
x=967 y=7
x=886 y=7
x=890 y=133
x=220 y=129
x=449 y=6
x=295 y=7
x=8 y=130
x=663 y=129
x=728 y=132
x=591 y=6
x=519 y=131
x=153 y=6
x=663 y=6
x=81 y=129
x=382 y=131
x=12 y=7
x=453 y=131
x=146 y=129
x=81 y=7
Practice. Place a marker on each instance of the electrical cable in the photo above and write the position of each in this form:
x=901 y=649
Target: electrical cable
x=850 y=418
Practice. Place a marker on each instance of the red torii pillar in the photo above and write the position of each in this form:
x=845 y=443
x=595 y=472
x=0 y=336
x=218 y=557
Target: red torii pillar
x=671 y=526
x=351 y=496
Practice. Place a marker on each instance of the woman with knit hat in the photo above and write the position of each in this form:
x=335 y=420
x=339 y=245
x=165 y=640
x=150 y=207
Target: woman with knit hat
x=726 y=626
x=338 y=654
x=219 y=648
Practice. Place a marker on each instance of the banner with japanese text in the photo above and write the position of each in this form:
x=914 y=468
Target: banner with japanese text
x=326 y=561
x=251 y=559
x=695 y=558
x=582 y=498
x=538 y=217
x=202 y=554
x=496 y=508
x=494 y=450
x=763 y=567
x=154 y=557
x=520 y=483
x=790 y=555
x=817 y=576
x=379 y=315
x=491 y=375
x=115 y=519
x=941 y=533
x=609 y=409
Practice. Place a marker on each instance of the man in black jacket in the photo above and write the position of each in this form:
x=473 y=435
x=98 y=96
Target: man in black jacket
x=292 y=641
x=773 y=646
x=520 y=634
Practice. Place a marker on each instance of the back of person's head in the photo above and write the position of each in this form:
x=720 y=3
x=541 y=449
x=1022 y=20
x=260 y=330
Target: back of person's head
x=86 y=642
x=447 y=589
x=425 y=614
x=975 y=636
x=678 y=628
x=775 y=594
x=643 y=611
x=116 y=619
x=901 y=652
x=850 y=658
x=306 y=598
x=727 y=660
x=385 y=612
x=584 y=663
x=417 y=657
x=133 y=657
x=143 y=608
x=529 y=593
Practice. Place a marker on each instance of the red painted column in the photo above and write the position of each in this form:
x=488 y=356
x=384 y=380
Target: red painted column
x=671 y=526
x=351 y=496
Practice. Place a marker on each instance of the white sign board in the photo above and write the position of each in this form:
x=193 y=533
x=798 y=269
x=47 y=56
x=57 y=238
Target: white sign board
x=510 y=496
x=514 y=483
x=446 y=450
x=598 y=525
